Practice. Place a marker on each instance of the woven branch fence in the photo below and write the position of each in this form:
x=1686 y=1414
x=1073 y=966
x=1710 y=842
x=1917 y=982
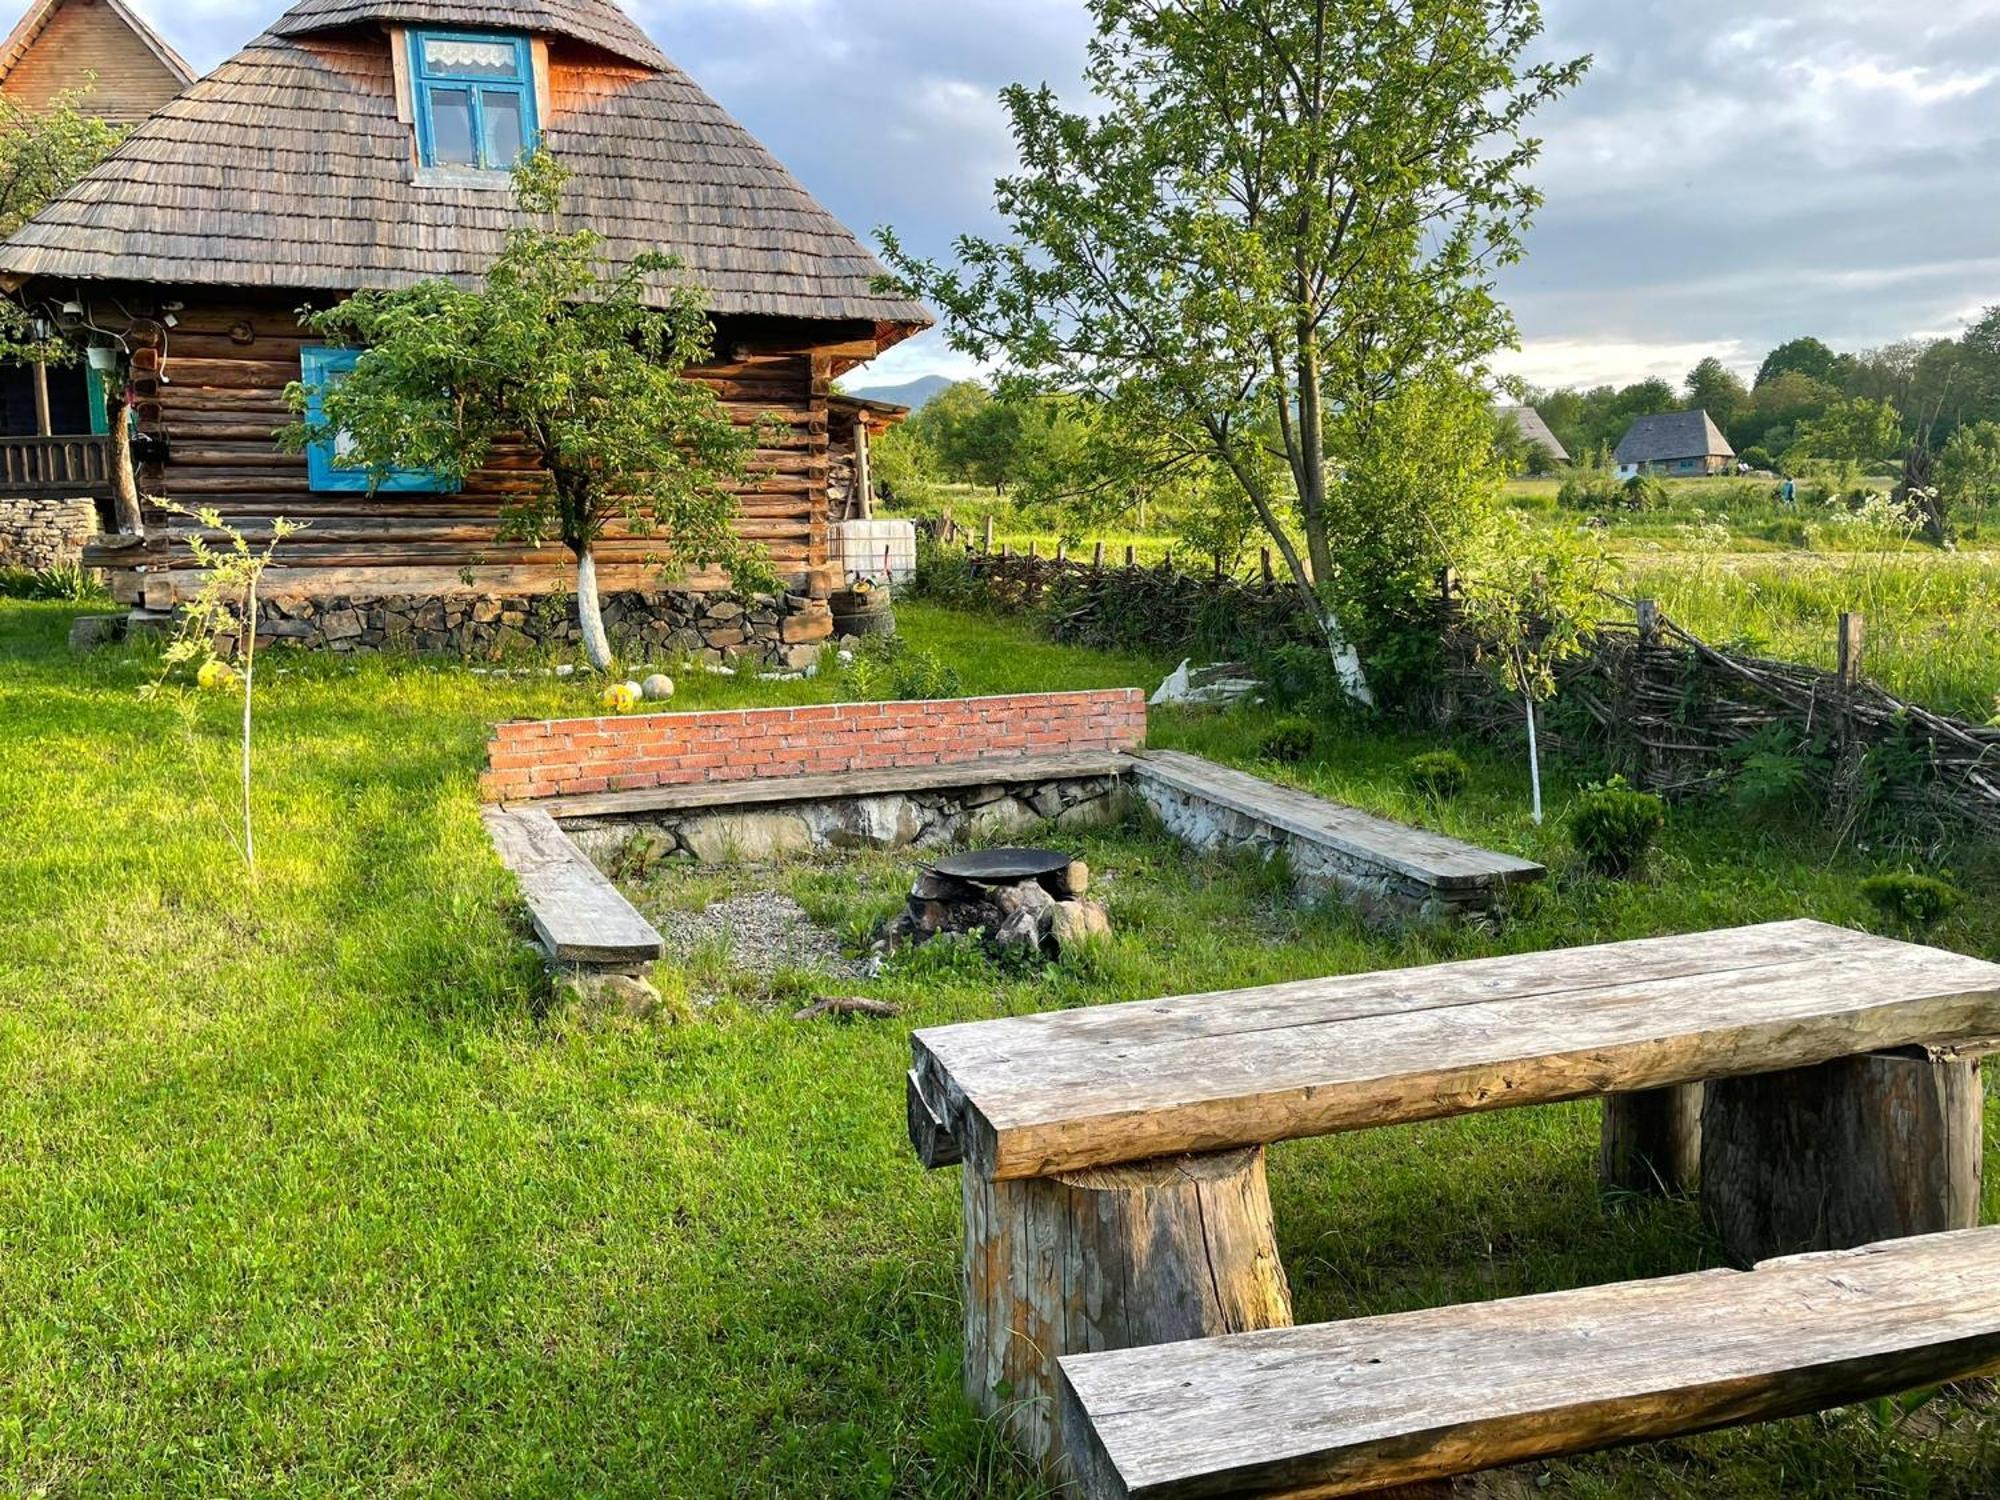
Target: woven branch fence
x=1677 y=714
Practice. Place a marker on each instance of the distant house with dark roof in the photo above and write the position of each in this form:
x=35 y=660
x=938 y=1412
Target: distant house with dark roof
x=1675 y=443
x=1533 y=430
x=102 y=49
x=366 y=144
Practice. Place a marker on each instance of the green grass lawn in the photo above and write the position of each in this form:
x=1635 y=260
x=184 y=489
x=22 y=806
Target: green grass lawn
x=304 y=1189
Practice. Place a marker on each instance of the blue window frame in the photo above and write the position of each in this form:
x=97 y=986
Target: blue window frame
x=321 y=369
x=474 y=95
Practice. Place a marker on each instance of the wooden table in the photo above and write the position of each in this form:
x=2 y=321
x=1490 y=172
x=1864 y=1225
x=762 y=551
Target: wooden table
x=1114 y=1191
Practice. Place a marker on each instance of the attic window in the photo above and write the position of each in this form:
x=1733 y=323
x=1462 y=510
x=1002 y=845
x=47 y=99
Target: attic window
x=474 y=96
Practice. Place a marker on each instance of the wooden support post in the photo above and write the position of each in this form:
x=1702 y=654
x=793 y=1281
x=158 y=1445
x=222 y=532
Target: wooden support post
x=864 y=478
x=1097 y=557
x=1109 y=1258
x=1131 y=556
x=1651 y=1141
x=1852 y=634
x=989 y=535
x=39 y=374
x=1649 y=622
x=1006 y=549
x=1062 y=552
x=1265 y=560
x=1868 y=1149
x=1033 y=545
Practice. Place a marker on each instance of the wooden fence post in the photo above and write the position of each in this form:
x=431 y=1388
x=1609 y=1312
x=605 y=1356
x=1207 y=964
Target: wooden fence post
x=1062 y=552
x=1097 y=557
x=989 y=534
x=1131 y=556
x=1649 y=622
x=1034 y=547
x=1269 y=576
x=1849 y=789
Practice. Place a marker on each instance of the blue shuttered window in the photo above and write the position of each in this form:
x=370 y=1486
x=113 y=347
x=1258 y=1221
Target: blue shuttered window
x=321 y=370
x=474 y=96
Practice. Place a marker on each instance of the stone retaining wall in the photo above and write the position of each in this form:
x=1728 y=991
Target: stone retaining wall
x=922 y=820
x=581 y=757
x=785 y=631
x=38 y=534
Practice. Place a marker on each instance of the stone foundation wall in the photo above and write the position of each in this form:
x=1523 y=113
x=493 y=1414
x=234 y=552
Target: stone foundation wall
x=581 y=757
x=920 y=820
x=38 y=534
x=784 y=631
x=1379 y=893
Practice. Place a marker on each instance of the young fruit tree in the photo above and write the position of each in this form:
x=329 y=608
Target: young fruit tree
x=580 y=363
x=1271 y=212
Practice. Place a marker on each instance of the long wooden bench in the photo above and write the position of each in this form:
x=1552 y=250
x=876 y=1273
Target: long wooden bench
x=1114 y=1191
x=1349 y=1408
x=579 y=916
x=1381 y=865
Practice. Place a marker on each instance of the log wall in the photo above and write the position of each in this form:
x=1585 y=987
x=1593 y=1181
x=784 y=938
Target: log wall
x=213 y=388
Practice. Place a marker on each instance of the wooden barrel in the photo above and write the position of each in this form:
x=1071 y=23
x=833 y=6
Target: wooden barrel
x=863 y=612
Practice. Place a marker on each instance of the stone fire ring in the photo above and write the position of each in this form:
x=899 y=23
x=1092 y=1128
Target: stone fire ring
x=988 y=867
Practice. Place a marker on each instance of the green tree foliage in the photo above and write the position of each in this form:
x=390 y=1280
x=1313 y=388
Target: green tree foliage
x=585 y=362
x=1851 y=431
x=1968 y=467
x=1586 y=422
x=1269 y=213
x=43 y=153
x=1716 y=389
x=1805 y=356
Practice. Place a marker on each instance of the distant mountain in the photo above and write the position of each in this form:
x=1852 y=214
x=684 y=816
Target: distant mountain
x=912 y=394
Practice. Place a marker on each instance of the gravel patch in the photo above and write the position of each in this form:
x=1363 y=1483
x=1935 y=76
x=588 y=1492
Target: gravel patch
x=766 y=931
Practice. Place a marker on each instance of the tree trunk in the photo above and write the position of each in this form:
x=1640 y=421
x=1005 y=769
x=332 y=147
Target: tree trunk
x=1872 y=1148
x=124 y=481
x=590 y=610
x=1109 y=1258
x=1652 y=1140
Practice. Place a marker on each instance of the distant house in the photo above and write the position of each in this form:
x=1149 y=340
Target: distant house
x=100 y=48
x=1678 y=443
x=1534 y=431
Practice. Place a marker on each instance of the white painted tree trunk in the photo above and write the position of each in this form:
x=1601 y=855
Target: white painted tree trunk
x=1534 y=759
x=590 y=610
x=1346 y=661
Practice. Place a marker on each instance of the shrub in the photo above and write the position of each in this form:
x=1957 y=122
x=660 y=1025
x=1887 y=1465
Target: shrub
x=1759 y=459
x=888 y=667
x=1644 y=492
x=1290 y=741
x=1594 y=490
x=945 y=576
x=66 y=581
x=1913 y=900
x=1614 y=827
x=1441 y=775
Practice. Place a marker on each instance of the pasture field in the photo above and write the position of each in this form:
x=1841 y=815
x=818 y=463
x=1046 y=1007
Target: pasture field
x=307 y=1188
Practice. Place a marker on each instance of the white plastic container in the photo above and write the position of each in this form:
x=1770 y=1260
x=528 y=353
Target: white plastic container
x=884 y=551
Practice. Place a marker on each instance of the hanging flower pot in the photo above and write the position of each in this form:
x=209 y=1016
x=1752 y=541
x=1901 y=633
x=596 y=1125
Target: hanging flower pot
x=103 y=357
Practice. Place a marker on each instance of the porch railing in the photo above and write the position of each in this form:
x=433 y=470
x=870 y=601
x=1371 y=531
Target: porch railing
x=55 y=467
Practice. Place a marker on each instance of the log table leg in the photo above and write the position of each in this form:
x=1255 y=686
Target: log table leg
x=1872 y=1148
x=1109 y=1258
x=1652 y=1140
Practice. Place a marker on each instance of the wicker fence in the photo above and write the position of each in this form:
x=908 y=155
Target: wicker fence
x=1678 y=715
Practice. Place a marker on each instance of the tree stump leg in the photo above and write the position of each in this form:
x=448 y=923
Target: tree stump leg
x=1109 y=1258
x=1651 y=1140
x=1872 y=1148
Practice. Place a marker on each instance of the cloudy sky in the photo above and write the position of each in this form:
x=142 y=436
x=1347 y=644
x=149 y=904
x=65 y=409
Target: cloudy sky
x=1733 y=172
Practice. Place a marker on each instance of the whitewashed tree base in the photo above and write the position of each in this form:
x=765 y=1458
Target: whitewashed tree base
x=1109 y=1258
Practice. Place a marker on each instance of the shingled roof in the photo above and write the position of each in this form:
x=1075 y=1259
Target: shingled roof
x=1528 y=422
x=287 y=167
x=1671 y=436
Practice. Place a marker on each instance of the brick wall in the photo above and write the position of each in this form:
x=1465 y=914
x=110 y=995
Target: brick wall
x=580 y=757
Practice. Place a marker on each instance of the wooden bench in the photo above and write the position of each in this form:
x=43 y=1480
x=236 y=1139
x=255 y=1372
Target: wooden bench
x=1350 y=1408
x=1388 y=868
x=579 y=916
x=1114 y=1192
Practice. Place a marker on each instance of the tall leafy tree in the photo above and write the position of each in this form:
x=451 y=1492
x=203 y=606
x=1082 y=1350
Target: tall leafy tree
x=1716 y=389
x=1852 y=432
x=1805 y=356
x=1273 y=211
x=44 y=152
x=583 y=362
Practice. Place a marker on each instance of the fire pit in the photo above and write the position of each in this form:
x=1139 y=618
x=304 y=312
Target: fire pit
x=1017 y=899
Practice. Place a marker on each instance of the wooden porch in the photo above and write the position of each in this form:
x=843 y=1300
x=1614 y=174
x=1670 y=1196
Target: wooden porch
x=56 y=468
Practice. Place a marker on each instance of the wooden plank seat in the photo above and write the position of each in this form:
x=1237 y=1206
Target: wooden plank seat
x=579 y=916
x=767 y=790
x=1402 y=866
x=1349 y=1408
x=1114 y=1194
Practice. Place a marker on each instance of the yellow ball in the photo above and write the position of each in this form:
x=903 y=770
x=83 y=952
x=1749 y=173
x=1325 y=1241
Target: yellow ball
x=215 y=676
x=620 y=698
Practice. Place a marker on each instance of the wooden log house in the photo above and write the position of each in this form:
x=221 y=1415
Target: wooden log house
x=364 y=144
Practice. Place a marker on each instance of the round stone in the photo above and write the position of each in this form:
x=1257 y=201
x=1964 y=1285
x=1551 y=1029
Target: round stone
x=658 y=688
